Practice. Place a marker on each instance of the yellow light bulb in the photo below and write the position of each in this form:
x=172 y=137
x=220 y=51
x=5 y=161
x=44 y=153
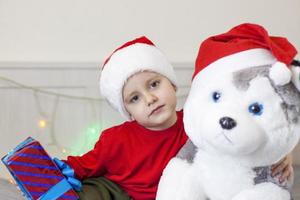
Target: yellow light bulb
x=42 y=123
x=64 y=151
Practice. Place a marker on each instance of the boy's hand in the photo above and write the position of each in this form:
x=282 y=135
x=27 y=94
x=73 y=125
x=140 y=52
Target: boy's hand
x=68 y=172
x=283 y=167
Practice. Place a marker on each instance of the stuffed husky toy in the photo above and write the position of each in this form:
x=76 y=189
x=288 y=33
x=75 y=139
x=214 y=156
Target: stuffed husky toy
x=242 y=115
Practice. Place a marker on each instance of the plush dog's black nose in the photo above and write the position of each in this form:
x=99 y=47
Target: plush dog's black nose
x=227 y=123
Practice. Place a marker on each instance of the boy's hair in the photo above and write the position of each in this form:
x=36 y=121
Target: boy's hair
x=134 y=56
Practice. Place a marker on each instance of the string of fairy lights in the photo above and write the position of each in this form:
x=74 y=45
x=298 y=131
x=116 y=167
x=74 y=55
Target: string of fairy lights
x=48 y=120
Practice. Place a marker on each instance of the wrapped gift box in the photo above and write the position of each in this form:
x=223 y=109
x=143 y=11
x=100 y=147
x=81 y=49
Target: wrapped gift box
x=36 y=174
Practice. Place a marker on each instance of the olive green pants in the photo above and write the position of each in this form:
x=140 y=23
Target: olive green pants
x=101 y=189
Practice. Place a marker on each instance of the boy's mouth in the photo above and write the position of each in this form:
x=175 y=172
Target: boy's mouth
x=156 y=110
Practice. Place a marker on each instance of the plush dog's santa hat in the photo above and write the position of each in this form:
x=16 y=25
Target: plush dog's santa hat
x=247 y=45
x=134 y=56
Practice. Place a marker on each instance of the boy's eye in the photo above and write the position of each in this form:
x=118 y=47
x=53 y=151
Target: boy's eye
x=134 y=99
x=154 y=84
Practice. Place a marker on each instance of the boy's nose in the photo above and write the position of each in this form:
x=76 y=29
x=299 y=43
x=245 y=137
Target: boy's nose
x=150 y=99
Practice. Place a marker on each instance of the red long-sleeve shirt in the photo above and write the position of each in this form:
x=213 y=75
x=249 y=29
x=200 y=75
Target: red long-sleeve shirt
x=132 y=156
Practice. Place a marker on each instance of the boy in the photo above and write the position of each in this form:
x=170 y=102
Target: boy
x=140 y=83
x=128 y=159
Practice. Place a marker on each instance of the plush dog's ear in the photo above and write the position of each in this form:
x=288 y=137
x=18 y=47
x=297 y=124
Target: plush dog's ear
x=280 y=73
x=296 y=73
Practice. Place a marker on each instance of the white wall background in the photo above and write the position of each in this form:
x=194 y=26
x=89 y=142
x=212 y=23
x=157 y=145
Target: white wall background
x=88 y=30
x=58 y=46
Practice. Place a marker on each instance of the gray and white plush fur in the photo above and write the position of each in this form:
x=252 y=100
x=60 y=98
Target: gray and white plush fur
x=235 y=139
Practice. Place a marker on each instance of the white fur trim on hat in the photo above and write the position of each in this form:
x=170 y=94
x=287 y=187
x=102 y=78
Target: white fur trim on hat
x=280 y=73
x=126 y=62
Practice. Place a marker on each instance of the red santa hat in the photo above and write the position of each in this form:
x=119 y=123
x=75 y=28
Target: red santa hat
x=134 y=56
x=247 y=45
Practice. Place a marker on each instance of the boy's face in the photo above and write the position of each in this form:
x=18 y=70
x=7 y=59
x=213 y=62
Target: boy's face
x=150 y=98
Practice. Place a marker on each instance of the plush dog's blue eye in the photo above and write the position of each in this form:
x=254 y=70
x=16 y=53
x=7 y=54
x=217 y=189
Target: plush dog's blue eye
x=256 y=108
x=216 y=96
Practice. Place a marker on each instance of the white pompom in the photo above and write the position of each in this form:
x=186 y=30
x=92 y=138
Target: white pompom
x=296 y=76
x=280 y=73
